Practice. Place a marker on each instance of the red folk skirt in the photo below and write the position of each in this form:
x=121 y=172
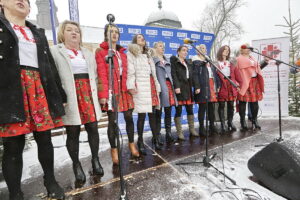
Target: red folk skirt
x=155 y=101
x=229 y=89
x=124 y=101
x=253 y=93
x=213 y=95
x=84 y=99
x=171 y=93
x=36 y=108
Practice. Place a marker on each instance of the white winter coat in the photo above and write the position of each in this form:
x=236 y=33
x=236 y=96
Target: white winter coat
x=140 y=66
x=65 y=71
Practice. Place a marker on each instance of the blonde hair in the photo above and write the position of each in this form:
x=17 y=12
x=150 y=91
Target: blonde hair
x=157 y=43
x=62 y=28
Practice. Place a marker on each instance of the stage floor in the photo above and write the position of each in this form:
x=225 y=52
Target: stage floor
x=156 y=176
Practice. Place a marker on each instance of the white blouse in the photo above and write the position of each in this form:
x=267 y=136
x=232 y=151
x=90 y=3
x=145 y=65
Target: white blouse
x=225 y=67
x=78 y=62
x=27 y=46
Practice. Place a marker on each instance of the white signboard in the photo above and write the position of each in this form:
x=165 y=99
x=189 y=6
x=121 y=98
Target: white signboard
x=277 y=48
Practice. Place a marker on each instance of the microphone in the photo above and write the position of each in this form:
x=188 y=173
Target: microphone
x=247 y=47
x=189 y=41
x=110 y=18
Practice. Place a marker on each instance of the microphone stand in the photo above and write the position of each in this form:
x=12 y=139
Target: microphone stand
x=206 y=159
x=278 y=62
x=109 y=60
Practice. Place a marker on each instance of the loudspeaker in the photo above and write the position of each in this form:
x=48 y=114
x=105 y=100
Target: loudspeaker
x=277 y=166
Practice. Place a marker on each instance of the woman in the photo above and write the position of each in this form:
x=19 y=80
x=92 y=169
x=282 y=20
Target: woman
x=144 y=87
x=227 y=93
x=77 y=69
x=167 y=95
x=206 y=85
x=252 y=86
x=123 y=98
x=182 y=75
x=31 y=96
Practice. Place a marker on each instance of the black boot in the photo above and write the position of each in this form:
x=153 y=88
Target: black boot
x=17 y=196
x=140 y=130
x=202 y=130
x=141 y=147
x=169 y=136
x=242 y=112
x=155 y=142
x=254 y=109
x=255 y=124
x=97 y=168
x=230 y=113
x=53 y=189
x=222 y=116
x=78 y=172
x=211 y=117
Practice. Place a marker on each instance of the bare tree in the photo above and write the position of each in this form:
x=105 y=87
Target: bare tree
x=293 y=27
x=220 y=19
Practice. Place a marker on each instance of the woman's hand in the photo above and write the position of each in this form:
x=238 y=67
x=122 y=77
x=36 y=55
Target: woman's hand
x=132 y=91
x=65 y=104
x=197 y=91
x=103 y=101
x=177 y=91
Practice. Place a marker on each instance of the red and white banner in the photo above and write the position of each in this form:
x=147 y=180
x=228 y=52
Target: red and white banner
x=277 y=48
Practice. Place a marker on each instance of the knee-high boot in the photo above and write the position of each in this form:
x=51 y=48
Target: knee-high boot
x=222 y=116
x=230 y=113
x=242 y=112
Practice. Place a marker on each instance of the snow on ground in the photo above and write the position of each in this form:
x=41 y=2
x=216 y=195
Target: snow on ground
x=236 y=156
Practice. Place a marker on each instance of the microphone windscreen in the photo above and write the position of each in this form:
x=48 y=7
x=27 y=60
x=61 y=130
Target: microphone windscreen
x=298 y=62
x=186 y=41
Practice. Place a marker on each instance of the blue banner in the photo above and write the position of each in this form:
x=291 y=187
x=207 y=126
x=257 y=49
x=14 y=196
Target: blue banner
x=73 y=10
x=172 y=38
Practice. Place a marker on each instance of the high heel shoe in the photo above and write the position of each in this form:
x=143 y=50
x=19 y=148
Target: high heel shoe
x=97 y=168
x=54 y=191
x=134 y=152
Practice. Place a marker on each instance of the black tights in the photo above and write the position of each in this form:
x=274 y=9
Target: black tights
x=73 y=133
x=12 y=163
x=253 y=107
x=188 y=108
x=202 y=111
x=112 y=128
x=141 y=122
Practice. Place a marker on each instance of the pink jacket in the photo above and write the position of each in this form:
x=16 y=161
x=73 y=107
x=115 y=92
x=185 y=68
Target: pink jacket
x=245 y=68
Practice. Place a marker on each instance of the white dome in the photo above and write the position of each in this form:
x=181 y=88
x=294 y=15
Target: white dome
x=161 y=15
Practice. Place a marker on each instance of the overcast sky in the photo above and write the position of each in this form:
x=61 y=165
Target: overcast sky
x=258 y=17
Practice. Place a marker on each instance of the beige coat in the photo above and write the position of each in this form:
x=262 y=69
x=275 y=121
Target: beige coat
x=64 y=68
x=140 y=66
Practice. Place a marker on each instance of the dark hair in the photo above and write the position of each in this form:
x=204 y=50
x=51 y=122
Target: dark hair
x=220 y=53
x=106 y=30
x=181 y=47
x=134 y=41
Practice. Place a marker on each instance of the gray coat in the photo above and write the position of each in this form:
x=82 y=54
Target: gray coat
x=161 y=72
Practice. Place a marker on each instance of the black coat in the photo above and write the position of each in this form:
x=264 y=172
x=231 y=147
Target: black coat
x=201 y=80
x=180 y=80
x=11 y=97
